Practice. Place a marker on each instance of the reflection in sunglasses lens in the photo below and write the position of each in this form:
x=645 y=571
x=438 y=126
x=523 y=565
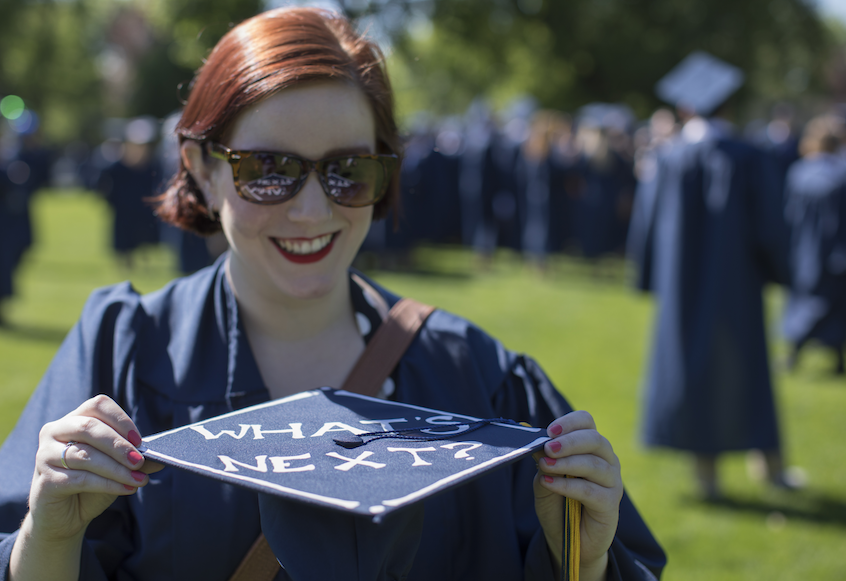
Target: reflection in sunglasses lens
x=273 y=178
x=269 y=187
x=268 y=177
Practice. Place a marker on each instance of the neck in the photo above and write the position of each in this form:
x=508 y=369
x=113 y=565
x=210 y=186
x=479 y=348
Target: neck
x=275 y=316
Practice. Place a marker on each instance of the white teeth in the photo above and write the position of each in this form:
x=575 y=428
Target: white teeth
x=304 y=246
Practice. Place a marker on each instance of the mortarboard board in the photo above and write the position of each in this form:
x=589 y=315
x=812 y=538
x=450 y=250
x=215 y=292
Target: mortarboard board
x=356 y=454
x=701 y=82
x=615 y=116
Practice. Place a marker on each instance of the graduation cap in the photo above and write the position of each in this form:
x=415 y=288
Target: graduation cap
x=701 y=83
x=615 y=116
x=344 y=451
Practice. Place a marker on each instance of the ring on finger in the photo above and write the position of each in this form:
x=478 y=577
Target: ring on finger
x=65 y=451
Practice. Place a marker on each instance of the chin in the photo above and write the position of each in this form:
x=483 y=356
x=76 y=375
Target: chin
x=309 y=287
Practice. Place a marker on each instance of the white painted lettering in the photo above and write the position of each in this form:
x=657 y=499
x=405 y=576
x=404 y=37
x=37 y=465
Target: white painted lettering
x=442 y=420
x=296 y=431
x=386 y=424
x=281 y=464
x=229 y=464
x=458 y=429
x=463 y=453
x=336 y=427
x=209 y=436
x=359 y=461
x=418 y=461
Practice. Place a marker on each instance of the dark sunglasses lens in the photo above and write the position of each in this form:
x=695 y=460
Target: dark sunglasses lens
x=269 y=178
x=354 y=181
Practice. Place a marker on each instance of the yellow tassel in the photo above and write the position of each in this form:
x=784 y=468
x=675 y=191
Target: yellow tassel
x=572 y=538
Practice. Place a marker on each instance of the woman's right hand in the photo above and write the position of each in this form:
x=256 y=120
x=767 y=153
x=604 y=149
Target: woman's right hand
x=99 y=442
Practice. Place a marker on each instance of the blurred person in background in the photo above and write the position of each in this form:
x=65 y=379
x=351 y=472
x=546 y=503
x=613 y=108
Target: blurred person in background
x=713 y=236
x=7 y=266
x=606 y=182
x=815 y=209
x=782 y=136
x=502 y=198
x=562 y=210
x=540 y=174
x=129 y=184
x=193 y=252
x=24 y=169
x=649 y=140
x=279 y=314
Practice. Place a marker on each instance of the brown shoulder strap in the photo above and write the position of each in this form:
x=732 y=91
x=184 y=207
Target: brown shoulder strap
x=379 y=358
x=385 y=349
x=259 y=564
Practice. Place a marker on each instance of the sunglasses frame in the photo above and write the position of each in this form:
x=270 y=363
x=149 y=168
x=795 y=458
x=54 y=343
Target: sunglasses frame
x=389 y=163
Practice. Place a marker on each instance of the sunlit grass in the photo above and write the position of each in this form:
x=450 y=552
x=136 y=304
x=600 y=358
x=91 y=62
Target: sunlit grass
x=590 y=333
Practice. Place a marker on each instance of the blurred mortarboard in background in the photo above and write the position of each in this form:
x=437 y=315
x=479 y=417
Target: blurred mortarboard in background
x=141 y=130
x=700 y=83
x=391 y=455
x=611 y=116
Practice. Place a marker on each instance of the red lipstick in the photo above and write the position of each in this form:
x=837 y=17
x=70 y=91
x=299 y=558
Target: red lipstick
x=306 y=258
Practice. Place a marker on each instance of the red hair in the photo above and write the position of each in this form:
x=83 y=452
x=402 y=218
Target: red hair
x=263 y=55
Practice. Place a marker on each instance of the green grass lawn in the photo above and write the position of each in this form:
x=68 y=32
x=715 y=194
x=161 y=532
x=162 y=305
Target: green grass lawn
x=587 y=330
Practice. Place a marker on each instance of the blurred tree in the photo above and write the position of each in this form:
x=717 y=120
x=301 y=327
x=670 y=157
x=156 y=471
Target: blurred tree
x=184 y=32
x=46 y=58
x=76 y=62
x=568 y=53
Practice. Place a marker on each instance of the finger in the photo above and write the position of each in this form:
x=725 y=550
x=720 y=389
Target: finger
x=581 y=442
x=587 y=466
x=151 y=467
x=98 y=435
x=575 y=420
x=70 y=482
x=598 y=499
x=80 y=457
x=110 y=413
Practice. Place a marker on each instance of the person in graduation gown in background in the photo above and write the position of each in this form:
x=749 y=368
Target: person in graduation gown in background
x=606 y=182
x=128 y=184
x=708 y=234
x=278 y=314
x=7 y=263
x=25 y=171
x=540 y=176
x=815 y=209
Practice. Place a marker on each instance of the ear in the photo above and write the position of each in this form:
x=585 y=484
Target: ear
x=197 y=164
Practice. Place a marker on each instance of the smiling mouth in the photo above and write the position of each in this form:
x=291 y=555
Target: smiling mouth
x=302 y=250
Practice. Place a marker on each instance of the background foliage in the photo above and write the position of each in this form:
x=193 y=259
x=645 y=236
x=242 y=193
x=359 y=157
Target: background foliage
x=570 y=53
x=76 y=62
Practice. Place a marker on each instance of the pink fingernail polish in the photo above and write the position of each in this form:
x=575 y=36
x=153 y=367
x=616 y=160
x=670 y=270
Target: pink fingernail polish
x=548 y=461
x=134 y=438
x=549 y=479
x=555 y=446
x=135 y=457
x=556 y=430
x=129 y=488
x=139 y=476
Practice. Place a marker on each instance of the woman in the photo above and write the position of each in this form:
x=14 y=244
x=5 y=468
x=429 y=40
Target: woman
x=279 y=314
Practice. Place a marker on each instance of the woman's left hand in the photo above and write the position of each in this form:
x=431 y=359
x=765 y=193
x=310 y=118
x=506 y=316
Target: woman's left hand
x=578 y=450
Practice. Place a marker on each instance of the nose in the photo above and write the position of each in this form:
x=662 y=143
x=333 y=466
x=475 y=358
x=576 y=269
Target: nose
x=310 y=205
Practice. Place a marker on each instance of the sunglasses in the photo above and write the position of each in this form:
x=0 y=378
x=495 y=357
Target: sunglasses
x=264 y=177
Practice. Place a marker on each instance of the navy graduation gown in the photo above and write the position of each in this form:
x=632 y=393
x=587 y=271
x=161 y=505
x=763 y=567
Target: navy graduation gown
x=708 y=232
x=815 y=196
x=128 y=190
x=534 y=179
x=7 y=255
x=180 y=355
x=600 y=228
